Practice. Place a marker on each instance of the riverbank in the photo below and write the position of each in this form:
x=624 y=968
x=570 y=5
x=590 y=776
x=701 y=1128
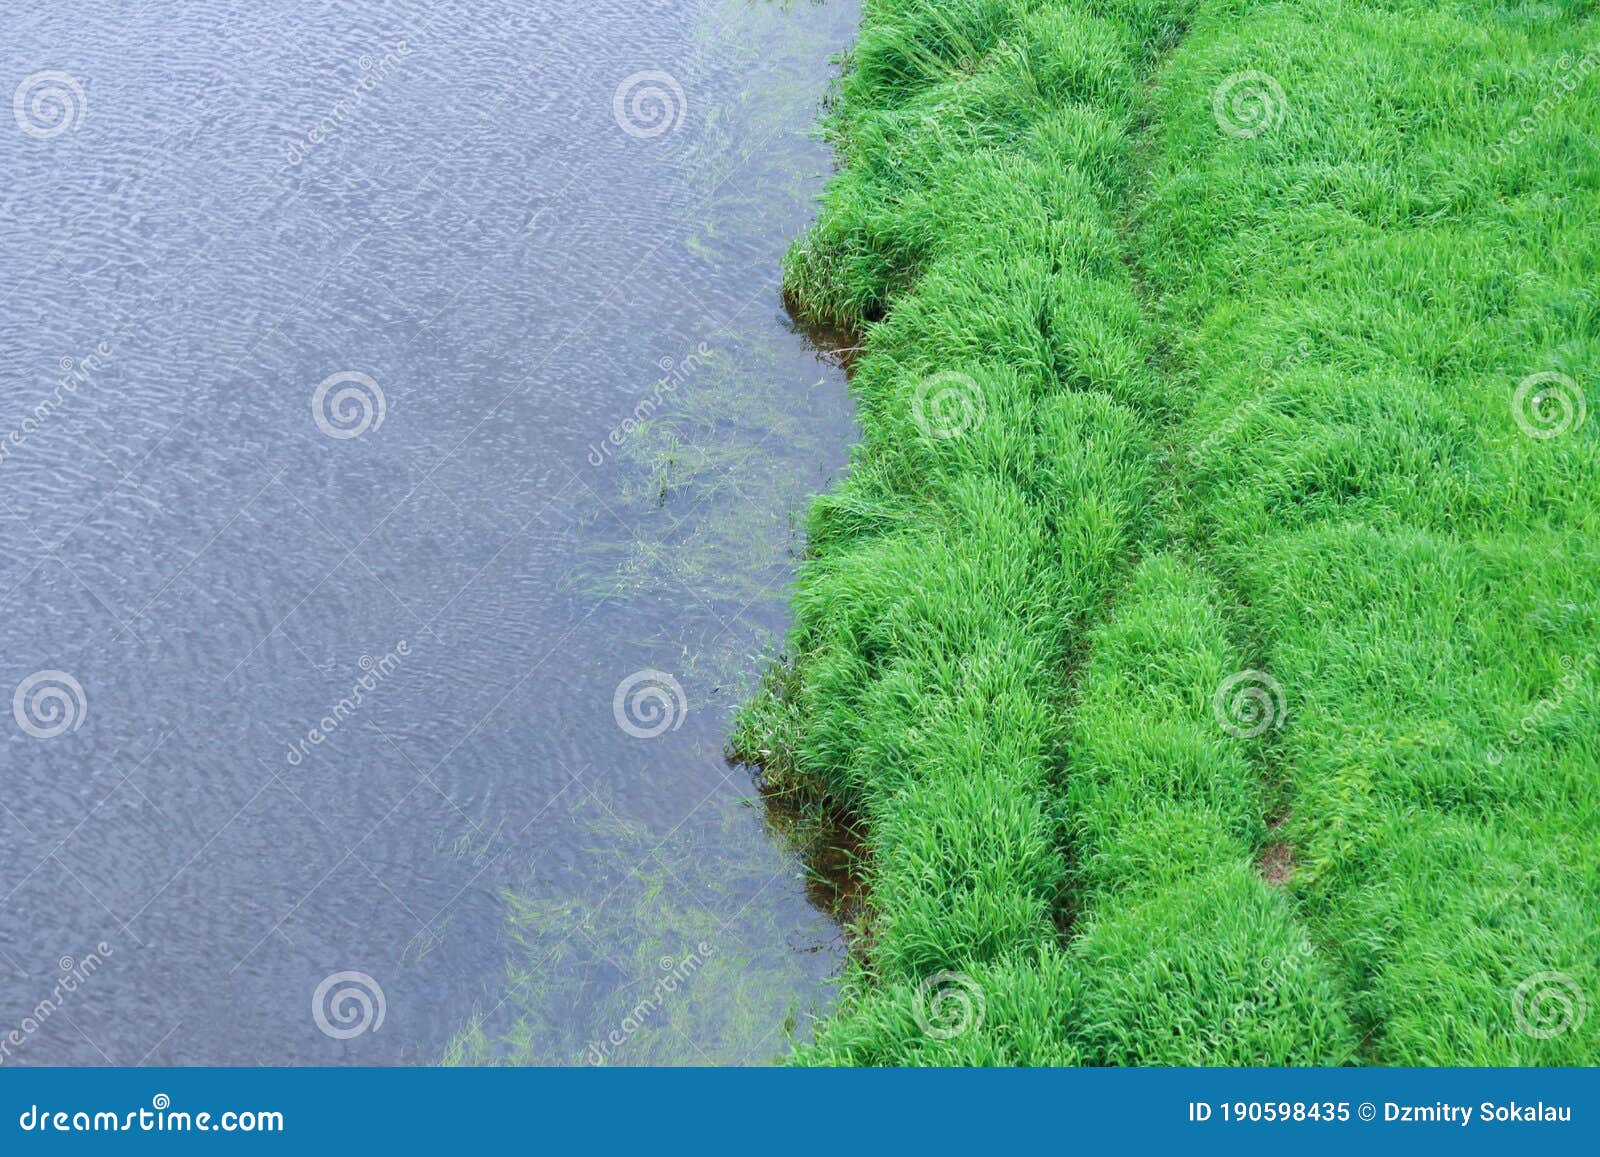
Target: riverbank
x=1223 y=509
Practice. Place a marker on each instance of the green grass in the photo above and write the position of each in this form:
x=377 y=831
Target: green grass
x=1413 y=564
x=1146 y=404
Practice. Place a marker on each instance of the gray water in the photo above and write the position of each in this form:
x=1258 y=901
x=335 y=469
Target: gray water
x=315 y=753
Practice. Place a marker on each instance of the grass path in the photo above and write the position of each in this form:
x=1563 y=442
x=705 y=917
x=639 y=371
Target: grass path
x=1193 y=332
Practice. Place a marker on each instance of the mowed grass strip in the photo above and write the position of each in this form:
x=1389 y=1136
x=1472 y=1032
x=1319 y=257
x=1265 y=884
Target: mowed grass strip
x=1357 y=292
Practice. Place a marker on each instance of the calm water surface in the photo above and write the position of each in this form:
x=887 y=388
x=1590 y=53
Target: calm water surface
x=368 y=665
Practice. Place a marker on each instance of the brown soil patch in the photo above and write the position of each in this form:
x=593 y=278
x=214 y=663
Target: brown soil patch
x=1276 y=864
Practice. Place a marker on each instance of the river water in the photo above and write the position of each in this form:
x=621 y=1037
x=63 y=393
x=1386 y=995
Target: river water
x=369 y=666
